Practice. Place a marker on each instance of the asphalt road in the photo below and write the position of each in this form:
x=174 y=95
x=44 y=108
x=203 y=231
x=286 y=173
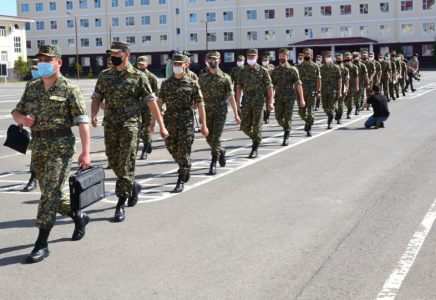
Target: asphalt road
x=345 y=214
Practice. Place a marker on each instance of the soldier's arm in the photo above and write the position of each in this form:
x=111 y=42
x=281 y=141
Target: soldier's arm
x=84 y=158
x=339 y=82
x=155 y=111
x=231 y=96
x=19 y=113
x=97 y=98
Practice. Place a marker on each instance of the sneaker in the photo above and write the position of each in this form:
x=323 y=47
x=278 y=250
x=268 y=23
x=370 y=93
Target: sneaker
x=377 y=124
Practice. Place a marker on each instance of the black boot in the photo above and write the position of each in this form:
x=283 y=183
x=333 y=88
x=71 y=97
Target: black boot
x=309 y=130
x=265 y=118
x=222 y=159
x=32 y=184
x=339 y=118
x=329 y=123
x=254 y=148
x=41 y=247
x=392 y=97
x=212 y=168
x=120 y=214
x=317 y=107
x=144 y=151
x=286 y=138
x=180 y=184
x=357 y=111
x=377 y=124
x=305 y=127
x=149 y=148
x=398 y=96
x=80 y=221
x=404 y=93
x=188 y=173
x=349 y=114
x=336 y=115
x=135 y=192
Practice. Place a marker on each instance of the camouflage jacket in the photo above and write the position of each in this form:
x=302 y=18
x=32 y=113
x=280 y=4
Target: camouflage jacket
x=192 y=74
x=180 y=94
x=331 y=75
x=234 y=75
x=370 y=66
x=253 y=81
x=309 y=73
x=398 y=66
x=403 y=68
x=215 y=87
x=154 y=82
x=354 y=73
x=363 y=71
x=393 y=66
x=386 y=68
x=283 y=79
x=345 y=72
x=377 y=67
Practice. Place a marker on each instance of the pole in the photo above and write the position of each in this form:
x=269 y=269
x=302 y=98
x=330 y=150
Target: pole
x=207 y=41
x=77 y=50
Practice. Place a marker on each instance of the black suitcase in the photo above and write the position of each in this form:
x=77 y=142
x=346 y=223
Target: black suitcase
x=86 y=187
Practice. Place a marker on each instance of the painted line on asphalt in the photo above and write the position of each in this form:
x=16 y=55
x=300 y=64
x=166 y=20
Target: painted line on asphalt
x=395 y=280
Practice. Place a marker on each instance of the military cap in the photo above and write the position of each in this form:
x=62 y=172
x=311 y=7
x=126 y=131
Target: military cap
x=142 y=60
x=215 y=54
x=371 y=53
x=284 y=50
x=119 y=46
x=109 y=60
x=380 y=55
x=49 y=50
x=394 y=52
x=364 y=52
x=355 y=54
x=308 y=50
x=240 y=57
x=347 y=54
x=300 y=54
x=266 y=57
x=252 y=52
x=180 y=58
x=387 y=54
x=319 y=57
x=339 y=55
x=328 y=53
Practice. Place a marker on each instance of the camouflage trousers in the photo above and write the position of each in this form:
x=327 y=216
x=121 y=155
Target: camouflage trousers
x=52 y=170
x=391 y=87
x=329 y=101
x=145 y=133
x=402 y=83
x=284 y=110
x=340 y=107
x=349 y=99
x=384 y=84
x=307 y=113
x=252 y=118
x=121 y=140
x=180 y=126
x=358 y=96
x=216 y=115
x=397 y=86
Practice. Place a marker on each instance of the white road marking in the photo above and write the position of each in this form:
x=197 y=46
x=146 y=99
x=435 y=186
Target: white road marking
x=395 y=280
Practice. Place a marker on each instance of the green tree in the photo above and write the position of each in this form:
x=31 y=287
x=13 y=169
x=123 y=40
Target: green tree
x=90 y=75
x=21 y=68
x=73 y=69
x=399 y=49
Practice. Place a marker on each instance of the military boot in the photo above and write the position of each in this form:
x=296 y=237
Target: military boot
x=286 y=138
x=222 y=158
x=329 y=123
x=309 y=130
x=180 y=184
x=254 y=149
x=336 y=115
x=212 y=168
x=339 y=118
x=392 y=97
x=404 y=93
x=32 y=184
x=349 y=114
x=398 y=96
x=317 y=107
x=135 y=192
x=120 y=214
x=40 y=251
x=145 y=151
x=80 y=221
x=357 y=111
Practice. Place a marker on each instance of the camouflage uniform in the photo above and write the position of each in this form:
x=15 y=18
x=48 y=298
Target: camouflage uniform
x=345 y=74
x=370 y=66
x=393 y=76
x=320 y=64
x=234 y=76
x=266 y=112
x=358 y=96
x=386 y=74
x=354 y=73
x=378 y=70
x=331 y=76
x=192 y=74
x=402 y=80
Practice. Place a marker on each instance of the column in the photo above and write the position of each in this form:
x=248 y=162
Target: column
x=333 y=50
x=294 y=51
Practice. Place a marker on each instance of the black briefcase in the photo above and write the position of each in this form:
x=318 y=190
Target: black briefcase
x=16 y=139
x=86 y=187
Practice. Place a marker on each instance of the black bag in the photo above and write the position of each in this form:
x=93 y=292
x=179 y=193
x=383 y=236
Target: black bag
x=86 y=187
x=16 y=139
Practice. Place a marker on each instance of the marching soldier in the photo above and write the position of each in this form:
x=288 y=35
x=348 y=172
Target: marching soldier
x=252 y=80
x=345 y=74
x=319 y=63
x=216 y=86
x=378 y=70
x=386 y=70
x=354 y=83
x=372 y=72
x=331 y=87
x=190 y=73
x=269 y=67
x=403 y=75
x=394 y=75
x=124 y=89
x=240 y=60
x=399 y=71
x=180 y=92
x=145 y=133
x=284 y=77
x=363 y=82
x=300 y=59
x=50 y=106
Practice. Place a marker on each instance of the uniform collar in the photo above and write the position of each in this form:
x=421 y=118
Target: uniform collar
x=129 y=69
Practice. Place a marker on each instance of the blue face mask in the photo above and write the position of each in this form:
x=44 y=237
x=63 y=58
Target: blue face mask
x=46 y=69
x=36 y=74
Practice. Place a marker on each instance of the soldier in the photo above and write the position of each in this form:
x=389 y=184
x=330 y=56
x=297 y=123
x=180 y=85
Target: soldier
x=345 y=74
x=124 y=89
x=311 y=79
x=267 y=66
x=284 y=77
x=396 y=59
x=331 y=87
x=386 y=71
x=189 y=72
x=180 y=92
x=50 y=106
x=372 y=72
x=363 y=82
x=354 y=83
x=319 y=63
x=300 y=59
x=145 y=133
x=109 y=63
x=403 y=75
x=216 y=86
x=253 y=79
x=378 y=70
x=394 y=75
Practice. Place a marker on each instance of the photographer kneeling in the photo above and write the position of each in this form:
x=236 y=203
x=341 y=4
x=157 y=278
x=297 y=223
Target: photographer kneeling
x=380 y=107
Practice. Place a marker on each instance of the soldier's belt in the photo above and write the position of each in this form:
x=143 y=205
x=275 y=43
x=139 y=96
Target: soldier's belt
x=44 y=134
x=120 y=110
x=183 y=109
x=254 y=92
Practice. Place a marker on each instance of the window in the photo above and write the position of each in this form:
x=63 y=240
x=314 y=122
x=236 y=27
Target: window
x=98 y=42
x=17 y=44
x=84 y=23
x=53 y=25
x=28 y=44
x=27 y=26
x=407 y=29
x=229 y=36
x=384 y=8
x=364 y=9
x=86 y=62
x=194 y=58
x=2 y=31
x=252 y=36
x=193 y=18
x=52 y=6
x=115 y=39
x=114 y=3
x=427 y=50
x=25 y=8
x=71 y=43
x=84 y=43
x=131 y=40
x=289 y=34
x=345 y=10
x=83 y=4
x=145 y=20
x=326 y=32
x=39 y=6
x=384 y=30
x=210 y=1
x=115 y=22
x=132 y=59
x=272 y=54
x=308 y=33
x=407 y=5
x=345 y=31
x=55 y=42
x=69 y=5
x=229 y=57
x=289 y=12
x=192 y=1
x=39 y=43
x=71 y=60
x=97 y=22
x=428 y=28
x=428 y=4
x=70 y=24
x=308 y=12
x=326 y=11
x=4 y=56
x=269 y=14
x=146 y=40
x=130 y=21
x=270 y=35
x=99 y=61
x=97 y=4
x=177 y=30
x=408 y=50
x=129 y=3
x=193 y=38
x=211 y=37
x=162 y=2
x=227 y=16
x=145 y=2
x=211 y=16
x=251 y=15
x=163 y=39
x=40 y=25
x=364 y=30
x=162 y=19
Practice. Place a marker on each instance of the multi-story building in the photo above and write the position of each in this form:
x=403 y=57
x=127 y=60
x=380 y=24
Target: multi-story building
x=154 y=27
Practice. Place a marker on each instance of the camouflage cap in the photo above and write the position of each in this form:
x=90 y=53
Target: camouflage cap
x=355 y=54
x=387 y=54
x=371 y=53
x=284 y=50
x=394 y=52
x=380 y=55
x=364 y=52
x=180 y=58
x=328 y=53
x=347 y=54
x=307 y=50
x=300 y=54
x=142 y=60
x=319 y=57
x=266 y=57
x=119 y=46
x=215 y=54
x=252 y=52
x=339 y=55
x=49 y=50
x=109 y=60
x=240 y=57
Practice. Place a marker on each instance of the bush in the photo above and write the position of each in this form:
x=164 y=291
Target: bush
x=73 y=69
x=90 y=75
x=21 y=69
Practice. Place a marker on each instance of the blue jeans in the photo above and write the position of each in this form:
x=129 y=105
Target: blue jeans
x=371 y=121
x=409 y=80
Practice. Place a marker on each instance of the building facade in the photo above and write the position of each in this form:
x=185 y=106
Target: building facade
x=155 y=27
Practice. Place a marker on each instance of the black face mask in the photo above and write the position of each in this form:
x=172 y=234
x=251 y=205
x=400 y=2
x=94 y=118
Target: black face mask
x=213 y=64
x=356 y=61
x=339 y=62
x=282 y=60
x=116 y=60
x=306 y=58
x=347 y=60
x=363 y=58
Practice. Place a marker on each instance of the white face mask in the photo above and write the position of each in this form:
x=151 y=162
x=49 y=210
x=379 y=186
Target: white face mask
x=178 y=70
x=387 y=58
x=397 y=58
x=371 y=58
x=265 y=63
x=380 y=59
x=299 y=61
x=318 y=62
x=328 y=60
x=240 y=63
x=251 y=61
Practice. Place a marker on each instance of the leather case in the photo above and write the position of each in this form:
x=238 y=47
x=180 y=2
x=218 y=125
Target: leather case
x=16 y=139
x=86 y=187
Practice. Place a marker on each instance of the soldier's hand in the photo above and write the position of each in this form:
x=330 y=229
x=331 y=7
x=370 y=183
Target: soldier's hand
x=94 y=121
x=271 y=106
x=204 y=130
x=28 y=120
x=152 y=124
x=164 y=133
x=302 y=103
x=356 y=89
x=339 y=95
x=103 y=105
x=237 y=120
x=84 y=160
x=194 y=107
x=318 y=95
